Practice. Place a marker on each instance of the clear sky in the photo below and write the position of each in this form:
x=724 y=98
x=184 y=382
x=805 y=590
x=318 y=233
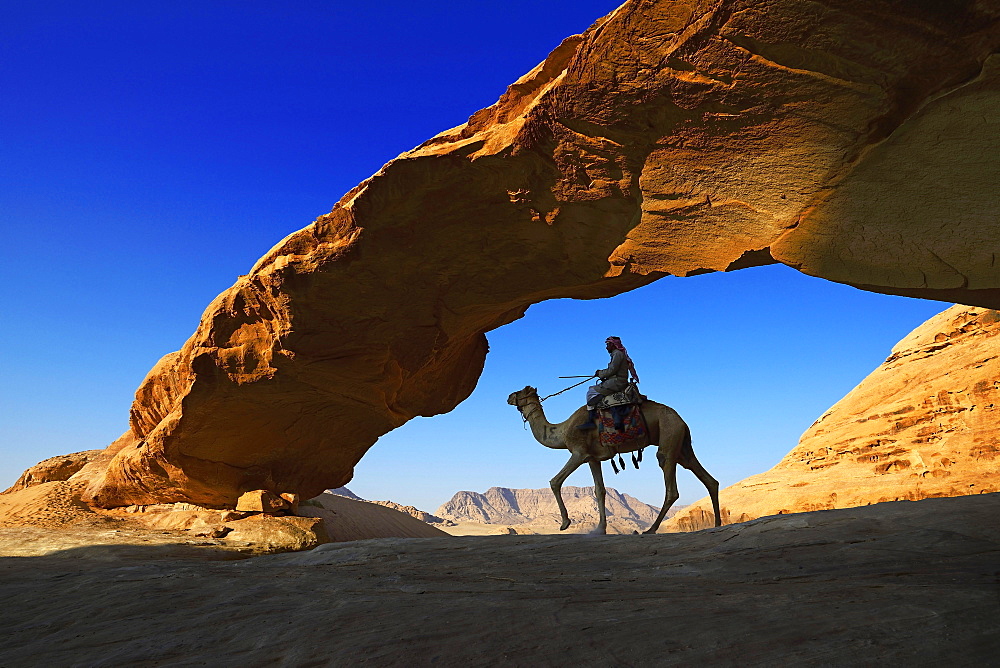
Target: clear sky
x=151 y=152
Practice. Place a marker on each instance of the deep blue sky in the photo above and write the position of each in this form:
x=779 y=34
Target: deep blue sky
x=150 y=154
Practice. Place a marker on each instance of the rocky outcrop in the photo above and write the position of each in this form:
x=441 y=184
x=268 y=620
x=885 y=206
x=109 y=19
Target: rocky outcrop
x=926 y=423
x=414 y=512
x=56 y=508
x=854 y=140
x=53 y=469
x=516 y=507
x=348 y=519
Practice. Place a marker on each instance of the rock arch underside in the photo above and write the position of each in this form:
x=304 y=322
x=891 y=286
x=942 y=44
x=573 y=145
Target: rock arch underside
x=854 y=140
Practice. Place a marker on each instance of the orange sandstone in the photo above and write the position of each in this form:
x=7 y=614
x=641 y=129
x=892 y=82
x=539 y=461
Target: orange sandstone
x=926 y=423
x=854 y=140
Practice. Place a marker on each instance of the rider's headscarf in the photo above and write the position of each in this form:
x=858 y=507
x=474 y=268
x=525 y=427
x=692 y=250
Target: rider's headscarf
x=617 y=343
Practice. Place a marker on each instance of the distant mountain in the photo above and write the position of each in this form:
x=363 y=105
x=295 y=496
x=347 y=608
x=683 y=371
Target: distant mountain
x=343 y=491
x=512 y=507
x=421 y=515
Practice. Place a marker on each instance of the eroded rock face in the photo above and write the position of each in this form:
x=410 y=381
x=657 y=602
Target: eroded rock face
x=926 y=423
x=672 y=137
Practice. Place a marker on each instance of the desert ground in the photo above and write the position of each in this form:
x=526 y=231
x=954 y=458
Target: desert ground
x=914 y=583
x=851 y=141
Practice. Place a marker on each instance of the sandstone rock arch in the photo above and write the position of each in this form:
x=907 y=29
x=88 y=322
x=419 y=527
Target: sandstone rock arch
x=855 y=141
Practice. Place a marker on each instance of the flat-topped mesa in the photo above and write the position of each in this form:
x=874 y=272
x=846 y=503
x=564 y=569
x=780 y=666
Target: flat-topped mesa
x=670 y=138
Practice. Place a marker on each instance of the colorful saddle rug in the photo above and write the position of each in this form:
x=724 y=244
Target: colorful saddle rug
x=632 y=426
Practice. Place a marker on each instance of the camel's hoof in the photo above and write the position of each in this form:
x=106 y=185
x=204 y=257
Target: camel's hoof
x=565 y=525
x=599 y=531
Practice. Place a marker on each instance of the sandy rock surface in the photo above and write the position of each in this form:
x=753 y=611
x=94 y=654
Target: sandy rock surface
x=53 y=469
x=48 y=505
x=926 y=423
x=906 y=583
x=50 y=519
x=854 y=140
x=51 y=516
x=349 y=519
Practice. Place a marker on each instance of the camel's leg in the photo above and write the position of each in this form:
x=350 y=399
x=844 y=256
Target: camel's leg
x=669 y=466
x=692 y=464
x=599 y=492
x=556 y=483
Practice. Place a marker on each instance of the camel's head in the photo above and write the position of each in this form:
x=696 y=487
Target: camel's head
x=518 y=398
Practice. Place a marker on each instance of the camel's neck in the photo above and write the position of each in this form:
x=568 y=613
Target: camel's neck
x=546 y=433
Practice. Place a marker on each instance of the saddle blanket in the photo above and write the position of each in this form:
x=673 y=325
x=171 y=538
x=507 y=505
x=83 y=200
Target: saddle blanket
x=633 y=427
x=630 y=395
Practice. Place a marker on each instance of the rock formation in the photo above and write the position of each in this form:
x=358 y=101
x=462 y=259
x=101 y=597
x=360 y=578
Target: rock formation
x=853 y=140
x=56 y=509
x=53 y=469
x=349 y=519
x=416 y=513
x=537 y=507
x=926 y=423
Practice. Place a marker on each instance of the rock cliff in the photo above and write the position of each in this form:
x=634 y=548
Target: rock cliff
x=515 y=507
x=853 y=140
x=924 y=424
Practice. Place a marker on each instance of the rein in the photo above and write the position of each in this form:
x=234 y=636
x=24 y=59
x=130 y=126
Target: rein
x=568 y=388
x=521 y=408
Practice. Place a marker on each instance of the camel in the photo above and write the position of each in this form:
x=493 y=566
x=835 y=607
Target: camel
x=667 y=431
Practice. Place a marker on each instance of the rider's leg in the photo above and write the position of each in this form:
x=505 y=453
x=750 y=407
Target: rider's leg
x=593 y=397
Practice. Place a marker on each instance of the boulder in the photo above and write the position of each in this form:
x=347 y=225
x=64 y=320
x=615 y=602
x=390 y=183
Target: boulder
x=856 y=141
x=277 y=534
x=926 y=423
x=261 y=501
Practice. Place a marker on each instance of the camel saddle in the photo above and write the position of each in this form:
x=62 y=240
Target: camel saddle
x=630 y=395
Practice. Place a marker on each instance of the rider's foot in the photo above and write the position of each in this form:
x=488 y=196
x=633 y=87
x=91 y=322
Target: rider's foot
x=589 y=424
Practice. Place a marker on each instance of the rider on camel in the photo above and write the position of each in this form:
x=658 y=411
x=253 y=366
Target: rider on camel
x=614 y=378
